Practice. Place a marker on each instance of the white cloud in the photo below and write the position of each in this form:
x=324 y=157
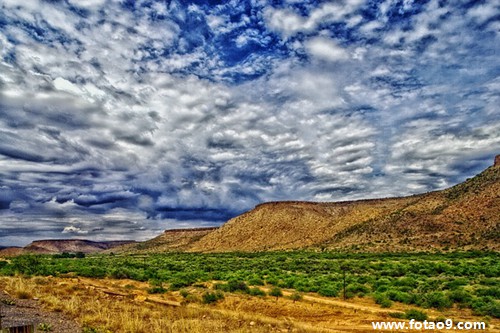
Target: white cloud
x=74 y=230
x=89 y=4
x=65 y=85
x=288 y=23
x=326 y=49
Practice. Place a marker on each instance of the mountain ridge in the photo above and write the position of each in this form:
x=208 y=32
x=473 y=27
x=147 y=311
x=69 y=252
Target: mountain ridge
x=464 y=216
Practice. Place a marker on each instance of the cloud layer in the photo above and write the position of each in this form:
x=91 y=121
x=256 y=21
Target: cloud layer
x=120 y=119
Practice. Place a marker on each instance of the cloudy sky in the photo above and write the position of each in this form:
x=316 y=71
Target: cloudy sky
x=119 y=119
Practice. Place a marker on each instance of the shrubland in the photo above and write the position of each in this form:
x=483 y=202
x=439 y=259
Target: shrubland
x=427 y=280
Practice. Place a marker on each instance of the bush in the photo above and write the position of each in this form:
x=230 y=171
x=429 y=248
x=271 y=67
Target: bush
x=357 y=289
x=456 y=283
x=276 y=292
x=120 y=273
x=437 y=300
x=156 y=287
x=415 y=314
x=328 y=291
x=490 y=291
x=296 y=296
x=256 y=292
x=486 y=306
x=406 y=282
x=460 y=296
x=237 y=285
x=256 y=281
x=385 y=303
x=382 y=300
x=400 y=296
x=212 y=297
x=179 y=283
x=232 y=286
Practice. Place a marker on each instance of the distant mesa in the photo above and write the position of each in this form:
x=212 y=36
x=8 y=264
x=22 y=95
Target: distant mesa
x=54 y=246
x=497 y=161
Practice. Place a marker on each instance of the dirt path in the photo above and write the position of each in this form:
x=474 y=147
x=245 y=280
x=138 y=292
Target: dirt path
x=16 y=312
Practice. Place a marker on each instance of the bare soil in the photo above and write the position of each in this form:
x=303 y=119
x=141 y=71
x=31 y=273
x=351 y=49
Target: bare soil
x=17 y=312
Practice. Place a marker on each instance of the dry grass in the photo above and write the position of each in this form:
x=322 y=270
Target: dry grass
x=97 y=306
x=95 y=309
x=20 y=288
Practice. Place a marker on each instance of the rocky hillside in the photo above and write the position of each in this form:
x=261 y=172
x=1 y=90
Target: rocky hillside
x=466 y=216
x=173 y=240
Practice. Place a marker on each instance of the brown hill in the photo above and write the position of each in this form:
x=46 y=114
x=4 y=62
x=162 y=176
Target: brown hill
x=71 y=246
x=11 y=251
x=173 y=240
x=466 y=216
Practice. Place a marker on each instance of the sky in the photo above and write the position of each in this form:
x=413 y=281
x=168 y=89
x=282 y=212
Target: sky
x=120 y=119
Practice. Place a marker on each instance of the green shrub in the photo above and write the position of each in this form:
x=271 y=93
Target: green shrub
x=44 y=327
x=237 y=285
x=437 y=300
x=156 y=287
x=399 y=296
x=232 y=286
x=256 y=281
x=456 y=283
x=415 y=314
x=178 y=283
x=357 y=289
x=489 y=291
x=406 y=282
x=212 y=297
x=486 y=306
x=276 y=292
x=120 y=273
x=8 y=302
x=296 y=296
x=221 y=287
x=328 y=291
x=184 y=293
x=382 y=300
x=460 y=296
x=256 y=292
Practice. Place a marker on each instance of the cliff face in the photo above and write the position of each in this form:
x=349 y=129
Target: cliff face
x=466 y=216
